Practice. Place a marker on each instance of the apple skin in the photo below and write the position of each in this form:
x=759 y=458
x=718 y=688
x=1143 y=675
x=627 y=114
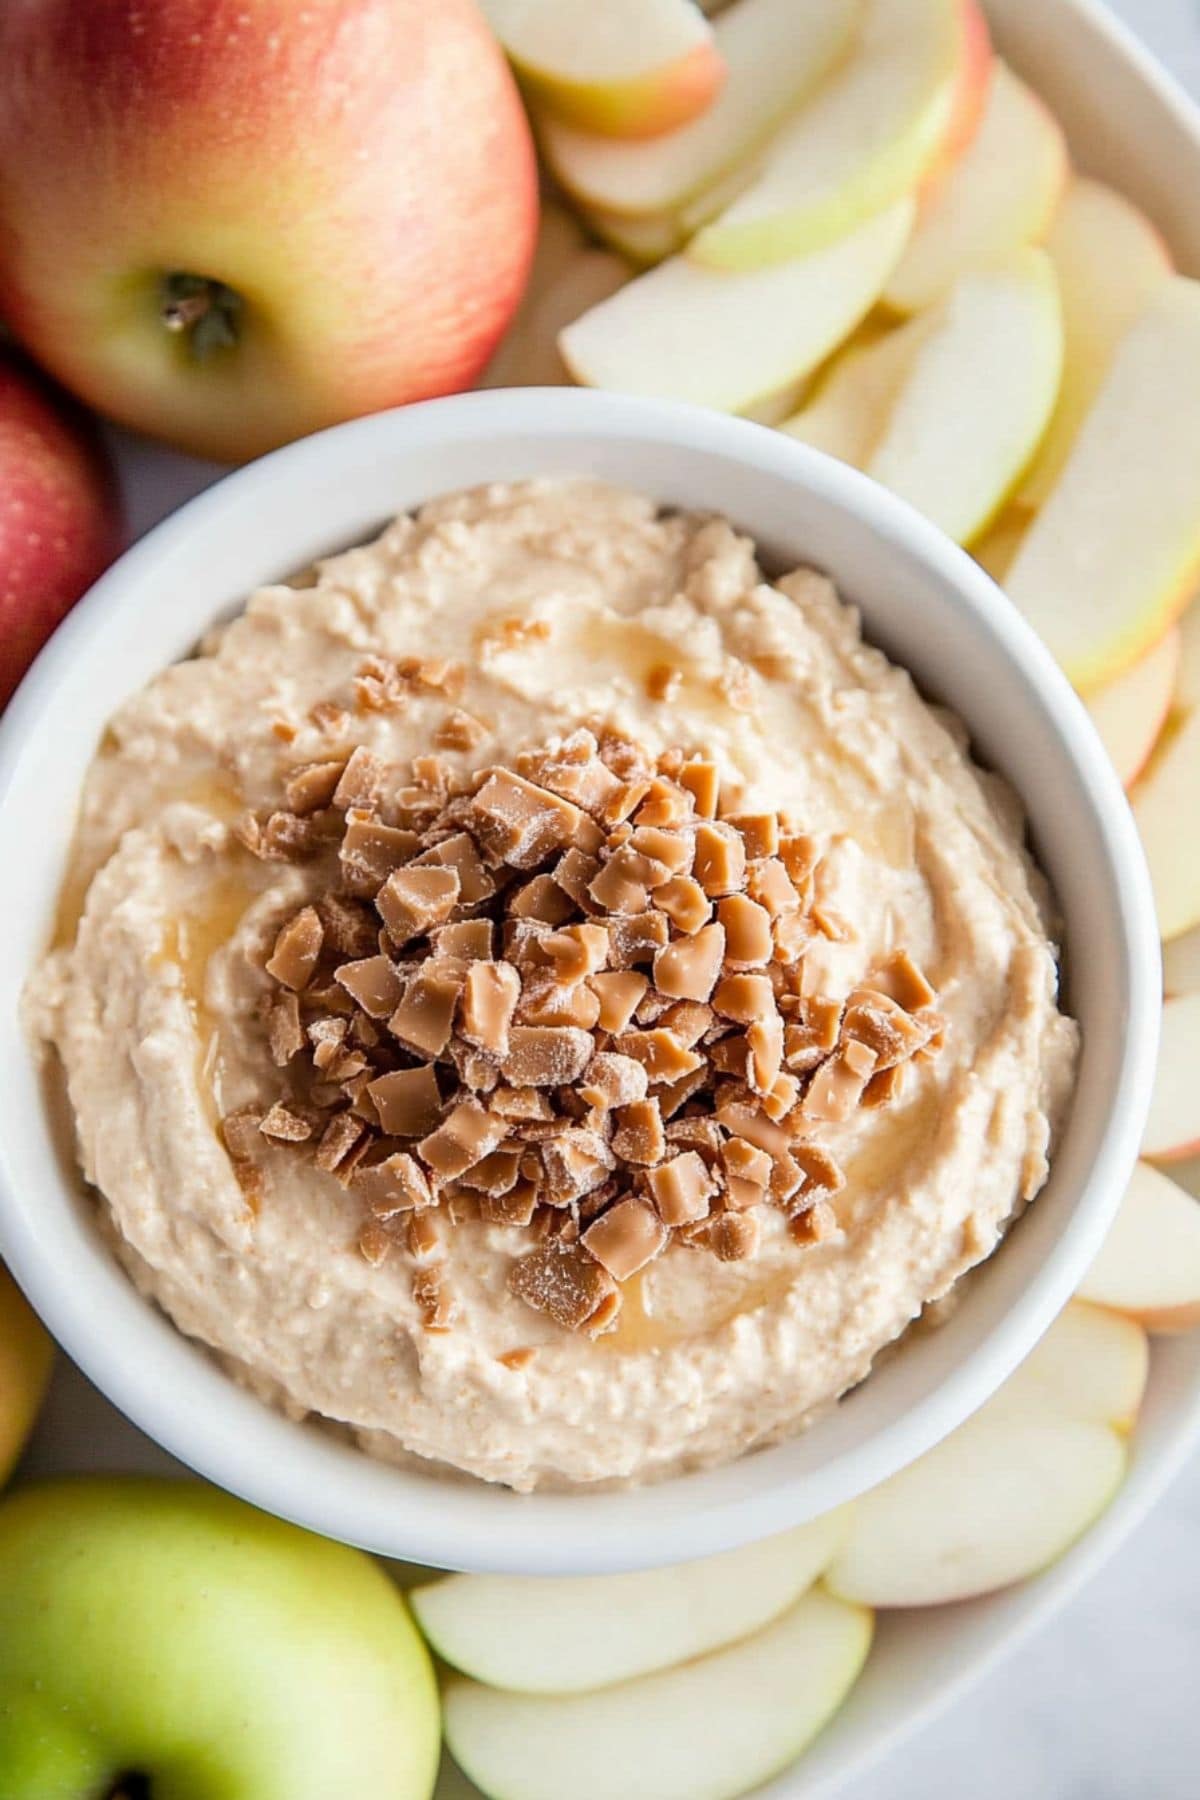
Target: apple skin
x=26 y=1358
x=164 y=1629
x=643 y=107
x=60 y=521
x=313 y=159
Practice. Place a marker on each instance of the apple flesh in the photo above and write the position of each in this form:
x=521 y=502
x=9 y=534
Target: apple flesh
x=1092 y=1364
x=1110 y=561
x=26 y=1358
x=999 y=195
x=997 y=1501
x=998 y=545
x=969 y=414
x=1110 y=261
x=60 y=521
x=1149 y=1264
x=566 y=1636
x=1129 y=712
x=865 y=139
x=155 y=1632
x=629 y=68
x=1173 y=1126
x=774 y=54
x=686 y=333
x=1166 y=805
x=668 y=1735
x=848 y=412
x=228 y=229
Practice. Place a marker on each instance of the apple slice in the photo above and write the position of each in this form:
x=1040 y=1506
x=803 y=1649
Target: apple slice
x=686 y=333
x=866 y=138
x=642 y=241
x=1166 y=806
x=847 y=413
x=1092 y=1364
x=669 y=1735
x=1173 y=1127
x=978 y=395
x=1110 y=261
x=1130 y=711
x=1000 y=194
x=550 y=1636
x=774 y=53
x=1181 y=964
x=1111 y=559
x=529 y=356
x=629 y=68
x=999 y=1499
x=998 y=546
x=1149 y=1265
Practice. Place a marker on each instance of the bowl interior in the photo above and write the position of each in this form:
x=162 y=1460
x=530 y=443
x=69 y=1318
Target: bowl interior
x=929 y=606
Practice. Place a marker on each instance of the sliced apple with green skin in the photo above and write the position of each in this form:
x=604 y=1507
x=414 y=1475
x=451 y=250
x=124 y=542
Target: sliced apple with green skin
x=999 y=1500
x=1110 y=561
x=1166 y=806
x=864 y=139
x=976 y=400
x=1000 y=194
x=1092 y=1364
x=998 y=546
x=727 y=341
x=1129 y=713
x=566 y=1636
x=1149 y=1265
x=668 y=1735
x=1172 y=1131
x=1110 y=261
x=774 y=52
x=1181 y=964
x=847 y=414
x=628 y=69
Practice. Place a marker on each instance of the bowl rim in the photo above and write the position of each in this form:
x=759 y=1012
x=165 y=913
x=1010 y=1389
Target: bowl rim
x=271 y=1475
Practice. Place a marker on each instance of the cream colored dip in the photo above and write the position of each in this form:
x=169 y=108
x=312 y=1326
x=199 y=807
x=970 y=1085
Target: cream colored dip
x=150 y=1002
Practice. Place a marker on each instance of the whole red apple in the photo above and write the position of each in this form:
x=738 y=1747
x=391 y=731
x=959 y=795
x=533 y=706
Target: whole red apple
x=59 y=519
x=231 y=222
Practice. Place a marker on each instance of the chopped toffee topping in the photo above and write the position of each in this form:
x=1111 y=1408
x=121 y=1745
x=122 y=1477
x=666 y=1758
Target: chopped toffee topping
x=567 y=998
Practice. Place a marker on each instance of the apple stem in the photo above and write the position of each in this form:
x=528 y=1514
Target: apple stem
x=206 y=311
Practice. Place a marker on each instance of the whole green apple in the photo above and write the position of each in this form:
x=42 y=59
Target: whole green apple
x=231 y=222
x=161 y=1639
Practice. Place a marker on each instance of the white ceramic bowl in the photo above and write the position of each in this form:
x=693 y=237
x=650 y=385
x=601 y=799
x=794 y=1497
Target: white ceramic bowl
x=925 y=602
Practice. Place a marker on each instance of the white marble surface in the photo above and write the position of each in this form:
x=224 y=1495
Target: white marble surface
x=1101 y=1705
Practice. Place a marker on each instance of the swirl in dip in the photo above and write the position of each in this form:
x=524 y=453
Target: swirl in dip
x=546 y=998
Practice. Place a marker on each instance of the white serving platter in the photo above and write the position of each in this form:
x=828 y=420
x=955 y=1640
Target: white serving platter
x=1129 y=123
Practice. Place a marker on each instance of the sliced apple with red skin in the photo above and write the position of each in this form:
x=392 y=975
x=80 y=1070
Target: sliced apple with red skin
x=668 y=1735
x=1181 y=964
x=1166 y=799
x=1172 y=1131
x=774 y=54
x=1129 y=712
x=628 y=69
x=976 y=400
x=728 y=341
x=1110 y=260
x=1000 y=194
x=848 y=412
x=864 y=139
x=969 y=97
x=1110 y=561
x=997 y=1501
x=570 y=1635
x=1149 y=1265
